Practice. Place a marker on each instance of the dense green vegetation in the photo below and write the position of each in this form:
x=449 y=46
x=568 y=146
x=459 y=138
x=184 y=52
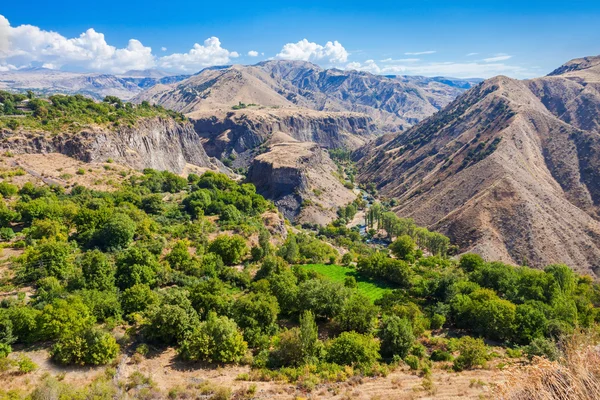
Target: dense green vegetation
x=349 y=277
x=60 y=113
x=190 y=263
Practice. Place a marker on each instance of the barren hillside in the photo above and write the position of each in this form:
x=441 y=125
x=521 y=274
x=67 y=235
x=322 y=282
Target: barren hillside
x=509 y=170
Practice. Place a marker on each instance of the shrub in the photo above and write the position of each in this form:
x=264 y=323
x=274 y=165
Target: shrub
x=91 y=346
x=6 y=234
x=5 y=350
x=353 y=348
x=437 y=321
x=440 y=355
x=412 y=361
x=542 y=347
x=218 y=339
x=26 y=365
x=473 y=352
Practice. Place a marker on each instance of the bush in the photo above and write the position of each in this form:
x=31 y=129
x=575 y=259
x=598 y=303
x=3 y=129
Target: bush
x=26 y=365
x=397 y=336
x=218 y=339
x=353 y=348
x=6 y=234
x=473 y=352
x=412 y=361
x=91 y=347
x=440 y=355
x=541 y=347
x=437 y=321
x=5 y=350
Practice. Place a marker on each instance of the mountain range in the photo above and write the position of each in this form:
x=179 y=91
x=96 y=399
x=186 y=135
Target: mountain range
x=510 y=169
x=507 y=168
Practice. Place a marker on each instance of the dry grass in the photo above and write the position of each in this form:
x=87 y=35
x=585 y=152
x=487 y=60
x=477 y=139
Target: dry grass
x=575 y=376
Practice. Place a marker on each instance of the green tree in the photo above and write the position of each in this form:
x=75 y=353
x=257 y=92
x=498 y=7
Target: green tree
x=98 y=271
x=403 y=247
x=63 y=317
x=88 y=347
x=231 y=248
x=396 y=336
x=138 y=298
x=218 y=339
x=116 y=234
x=353 y=348
x=357 y=314
x=134 y=266
x=309 y=336
x=48 y=258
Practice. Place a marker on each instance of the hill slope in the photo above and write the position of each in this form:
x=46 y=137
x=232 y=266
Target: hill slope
x=393 y=102
x=510 y=170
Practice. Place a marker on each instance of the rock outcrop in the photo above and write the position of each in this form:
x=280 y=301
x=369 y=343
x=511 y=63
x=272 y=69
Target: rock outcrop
x=510 y=170
x=242 y=133
x=159 y=143
x=301 y=179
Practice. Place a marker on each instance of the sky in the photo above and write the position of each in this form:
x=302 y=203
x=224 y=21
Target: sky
x=463 y=39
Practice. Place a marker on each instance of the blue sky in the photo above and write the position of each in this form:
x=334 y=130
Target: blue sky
x=461 y=38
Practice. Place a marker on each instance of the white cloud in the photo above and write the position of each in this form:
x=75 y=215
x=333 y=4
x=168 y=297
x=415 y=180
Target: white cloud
x=253 y=53
x=498 y=57
x=368 y=66
x=25 y=45
x=401 y=60
x=452 y=69
x=163 y=48
x=200 y=56
x=420 y=53
x=332 y=52
x=472 y=54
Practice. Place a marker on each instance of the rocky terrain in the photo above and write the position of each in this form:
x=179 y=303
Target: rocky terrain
x=238 y=109
x=159 y=143
x=243 y=134
x=394 y=103
x=47 y=81
x=301 y=179
x=509 y=170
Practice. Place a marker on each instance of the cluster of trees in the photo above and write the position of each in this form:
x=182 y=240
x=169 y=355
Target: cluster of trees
x=377 y=218
x=169 y=257
x=60 y=112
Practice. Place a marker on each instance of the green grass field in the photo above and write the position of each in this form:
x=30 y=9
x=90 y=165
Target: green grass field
x=374 y=289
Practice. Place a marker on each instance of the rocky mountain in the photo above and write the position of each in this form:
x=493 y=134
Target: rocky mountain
x=159 y=143
x=511 y=169
x=394 y=103
x=47 y=81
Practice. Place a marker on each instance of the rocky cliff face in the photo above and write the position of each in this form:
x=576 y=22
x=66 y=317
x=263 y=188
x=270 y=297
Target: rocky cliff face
x=159 y=143
x=242 y=132
x=509 y=170
x=301 y=179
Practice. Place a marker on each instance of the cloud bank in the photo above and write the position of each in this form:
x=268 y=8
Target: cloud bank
x=23 y=45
